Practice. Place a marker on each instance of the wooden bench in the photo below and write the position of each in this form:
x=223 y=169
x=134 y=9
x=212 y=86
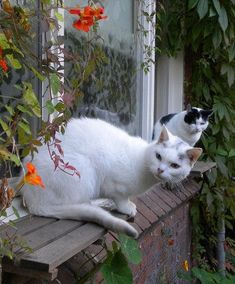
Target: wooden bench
x=55 y=241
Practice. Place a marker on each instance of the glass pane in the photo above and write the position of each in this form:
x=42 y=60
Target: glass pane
x=110 y=93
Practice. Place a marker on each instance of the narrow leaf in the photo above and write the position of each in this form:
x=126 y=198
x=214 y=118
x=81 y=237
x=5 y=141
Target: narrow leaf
x=202 y=8
x=38 y=74
x=55 y=83
x=16 y=212
x=14 y=62
x=223 y=19
x=15 y=159
x=31 y=99
x=216 y=4
x=192 y=4
x=5 y=127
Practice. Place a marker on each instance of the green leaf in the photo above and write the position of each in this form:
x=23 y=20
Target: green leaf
x=202 y=8
x=25 y=127
x=10 y=109
x=31 y=99
x=216 y=4
x=217 y=38
x=5 y=127
x=14 y=62
x=116 y=270
x=24 y=110
x=231 y=52
x=130 y=249
x=224 y=68
x=192 y=4
x=221 y=152
x=231 y=153
x=16 y=212
x=230 y=75
x=223 y=19
x=4 y=41
x=50 y=107
x=221 y=166
x=55 y=83
x=38 y=74
x=59 y=17
x=15 y=159
x=202 y=275
x=60 y=107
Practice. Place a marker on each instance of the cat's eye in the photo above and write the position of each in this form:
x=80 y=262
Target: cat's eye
x=175 y=166
x=202 y=123
x=158 y=156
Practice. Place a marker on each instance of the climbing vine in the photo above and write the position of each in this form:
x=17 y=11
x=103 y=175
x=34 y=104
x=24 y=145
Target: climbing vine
x=205 y=31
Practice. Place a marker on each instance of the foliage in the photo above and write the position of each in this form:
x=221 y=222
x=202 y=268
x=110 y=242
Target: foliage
x=206 y=277
x=205 y=30
x=115 y=268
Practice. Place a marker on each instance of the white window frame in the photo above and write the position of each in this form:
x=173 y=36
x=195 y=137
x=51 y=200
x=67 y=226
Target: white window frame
x=169 y=85
x=148 y=80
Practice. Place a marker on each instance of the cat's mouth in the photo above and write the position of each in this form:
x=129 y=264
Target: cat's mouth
x=157 y=176
x=195 y=131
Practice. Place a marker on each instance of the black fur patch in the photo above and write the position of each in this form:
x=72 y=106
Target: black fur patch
x=166 y=118
x=205 y=114
x=194 y=114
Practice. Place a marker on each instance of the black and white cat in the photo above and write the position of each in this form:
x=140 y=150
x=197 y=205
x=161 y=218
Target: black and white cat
x=188 y=124
x=113 y=165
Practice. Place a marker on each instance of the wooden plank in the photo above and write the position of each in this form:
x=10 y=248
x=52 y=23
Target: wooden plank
x=50 y=232
x=183 y=189
x=201 y=167
x=152 y=205
x=172 y=195
x=161 y=202
x=141 y=221
x=26 y=224
x=146 y=212
x=31 y=273
x=52 y=255
x=161 y=193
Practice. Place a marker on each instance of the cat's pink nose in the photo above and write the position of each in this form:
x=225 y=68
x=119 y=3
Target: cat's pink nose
x=160 y=171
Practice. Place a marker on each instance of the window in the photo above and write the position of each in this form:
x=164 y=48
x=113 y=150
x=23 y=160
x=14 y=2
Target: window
x=118 y=91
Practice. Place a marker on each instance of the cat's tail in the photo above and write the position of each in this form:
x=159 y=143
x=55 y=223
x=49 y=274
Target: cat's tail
x=91 y=213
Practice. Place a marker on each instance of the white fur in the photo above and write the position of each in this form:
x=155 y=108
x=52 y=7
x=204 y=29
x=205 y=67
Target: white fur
x=190 y=133
x=112 y=165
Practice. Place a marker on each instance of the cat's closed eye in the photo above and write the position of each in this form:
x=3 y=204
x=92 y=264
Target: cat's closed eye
x=175 y=166
x=202 y=123
x=158 y=156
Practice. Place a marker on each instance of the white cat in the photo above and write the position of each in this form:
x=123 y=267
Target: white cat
x=188 y=124
x=112 y=164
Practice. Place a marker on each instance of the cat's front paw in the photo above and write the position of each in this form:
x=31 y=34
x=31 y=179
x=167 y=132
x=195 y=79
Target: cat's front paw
x=127 y=207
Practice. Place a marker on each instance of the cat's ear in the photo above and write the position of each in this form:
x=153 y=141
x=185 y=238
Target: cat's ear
x=188 y=108
x=164 y=136
x=194 y=154
x=207 y=113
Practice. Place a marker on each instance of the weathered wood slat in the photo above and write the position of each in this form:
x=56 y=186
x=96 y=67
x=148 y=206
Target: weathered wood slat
x=52 y=255
x=161 y=202
x=31 y=273
x=201 y=167
x=161 y=193
x=50 y=232
x=25 y=225
x=152 y=205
